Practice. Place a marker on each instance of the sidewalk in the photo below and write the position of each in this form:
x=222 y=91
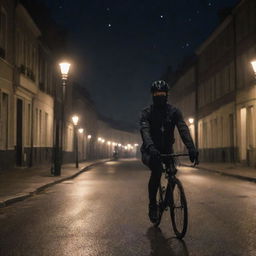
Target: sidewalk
x=19 y=183
x=227 y=169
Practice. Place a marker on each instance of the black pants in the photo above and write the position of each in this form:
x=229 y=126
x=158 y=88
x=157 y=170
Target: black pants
x=155 y=166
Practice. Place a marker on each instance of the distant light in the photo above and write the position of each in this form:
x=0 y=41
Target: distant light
x=253 y=63
x=136 y=145
x=109 y=25
x=119 y=145
x=99 y=139
x=80 y=130
x=161 y=16
x=191 y=120
x=209 y=4
x=109 y=142
x=102 y=140
x=89 y=136
x=75 y=119
x=125 y=147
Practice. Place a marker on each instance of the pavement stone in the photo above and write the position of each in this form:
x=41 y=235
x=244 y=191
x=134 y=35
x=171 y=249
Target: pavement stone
x=18 y=184
x=227 y=169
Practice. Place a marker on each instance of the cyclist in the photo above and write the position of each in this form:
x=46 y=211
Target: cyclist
x=157 y=125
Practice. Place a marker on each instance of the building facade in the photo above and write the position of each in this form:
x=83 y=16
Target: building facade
x=225 y=90
x=30 y=97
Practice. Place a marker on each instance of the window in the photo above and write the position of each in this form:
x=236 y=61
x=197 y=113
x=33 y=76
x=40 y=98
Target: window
x=3 y=33
x=4 y=121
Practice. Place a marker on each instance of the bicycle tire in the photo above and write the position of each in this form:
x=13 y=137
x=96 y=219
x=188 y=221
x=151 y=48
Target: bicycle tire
x=179 y=230
x=159 y=205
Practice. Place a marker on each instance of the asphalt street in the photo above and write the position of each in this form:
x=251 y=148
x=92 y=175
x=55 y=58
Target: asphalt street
x=104 y=212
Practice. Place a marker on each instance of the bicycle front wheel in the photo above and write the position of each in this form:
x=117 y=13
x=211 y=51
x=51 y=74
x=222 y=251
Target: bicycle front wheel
x=179 y=210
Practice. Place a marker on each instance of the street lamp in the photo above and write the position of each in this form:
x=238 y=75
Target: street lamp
x=191 y=120
x=64 y=69
x=59 y=132
x=75 y=120
x=253 y=63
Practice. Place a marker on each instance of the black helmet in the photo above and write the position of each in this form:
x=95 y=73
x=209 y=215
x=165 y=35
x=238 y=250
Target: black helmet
x=159 y=86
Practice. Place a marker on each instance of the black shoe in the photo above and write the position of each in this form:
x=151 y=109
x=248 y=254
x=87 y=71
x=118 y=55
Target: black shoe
x=153 y=213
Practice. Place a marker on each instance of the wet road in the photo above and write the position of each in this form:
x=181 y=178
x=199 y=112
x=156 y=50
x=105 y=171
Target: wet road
x=104 y=212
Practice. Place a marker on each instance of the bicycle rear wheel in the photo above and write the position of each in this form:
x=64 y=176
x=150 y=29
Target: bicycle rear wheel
x=179 y=210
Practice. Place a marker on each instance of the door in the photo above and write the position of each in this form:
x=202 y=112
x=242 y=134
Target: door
x=19 y=124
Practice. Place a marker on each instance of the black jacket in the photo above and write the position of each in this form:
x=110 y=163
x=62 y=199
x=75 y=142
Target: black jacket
x=157 y=128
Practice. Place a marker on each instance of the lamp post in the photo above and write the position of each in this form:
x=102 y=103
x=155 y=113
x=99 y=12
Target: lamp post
x=81 y=131
x=88 y=146
x=58 y=151
x=75 y=120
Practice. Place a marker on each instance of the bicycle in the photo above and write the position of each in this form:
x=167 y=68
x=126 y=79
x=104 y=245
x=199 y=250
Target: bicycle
x=167 y=197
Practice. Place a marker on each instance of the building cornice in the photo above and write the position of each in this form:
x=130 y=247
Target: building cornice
x=214 y=34
x=220 y=28
x=20 y=10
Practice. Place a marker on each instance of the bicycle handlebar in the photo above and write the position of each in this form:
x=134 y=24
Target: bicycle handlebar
x=174 y=155
x=177 y=155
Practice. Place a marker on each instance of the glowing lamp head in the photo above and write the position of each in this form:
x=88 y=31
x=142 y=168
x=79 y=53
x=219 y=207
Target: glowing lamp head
x=109 y=142
x=253 y=63
x=99 y=139
x=75 y=120
x=64 y=69
x=89 y=136
x=136 y=145
x=81 y=130
x=191 y=120
x=119 y=145
x=102 y=140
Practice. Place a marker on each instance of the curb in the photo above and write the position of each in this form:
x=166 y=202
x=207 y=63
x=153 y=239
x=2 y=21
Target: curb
x=24 y=196
x=240 y=177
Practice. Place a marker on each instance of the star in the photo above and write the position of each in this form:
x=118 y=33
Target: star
x=109 y=25
x=209 y=4
x=187 y=44
x=108 y=9
x=161 y=16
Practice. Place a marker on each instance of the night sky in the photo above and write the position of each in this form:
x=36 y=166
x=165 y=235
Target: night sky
x=120 y=47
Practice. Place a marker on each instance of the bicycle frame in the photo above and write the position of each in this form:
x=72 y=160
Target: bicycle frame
x=169 y=173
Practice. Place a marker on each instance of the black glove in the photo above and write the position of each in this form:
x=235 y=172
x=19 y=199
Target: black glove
x=154 y=153
x=193 y=156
